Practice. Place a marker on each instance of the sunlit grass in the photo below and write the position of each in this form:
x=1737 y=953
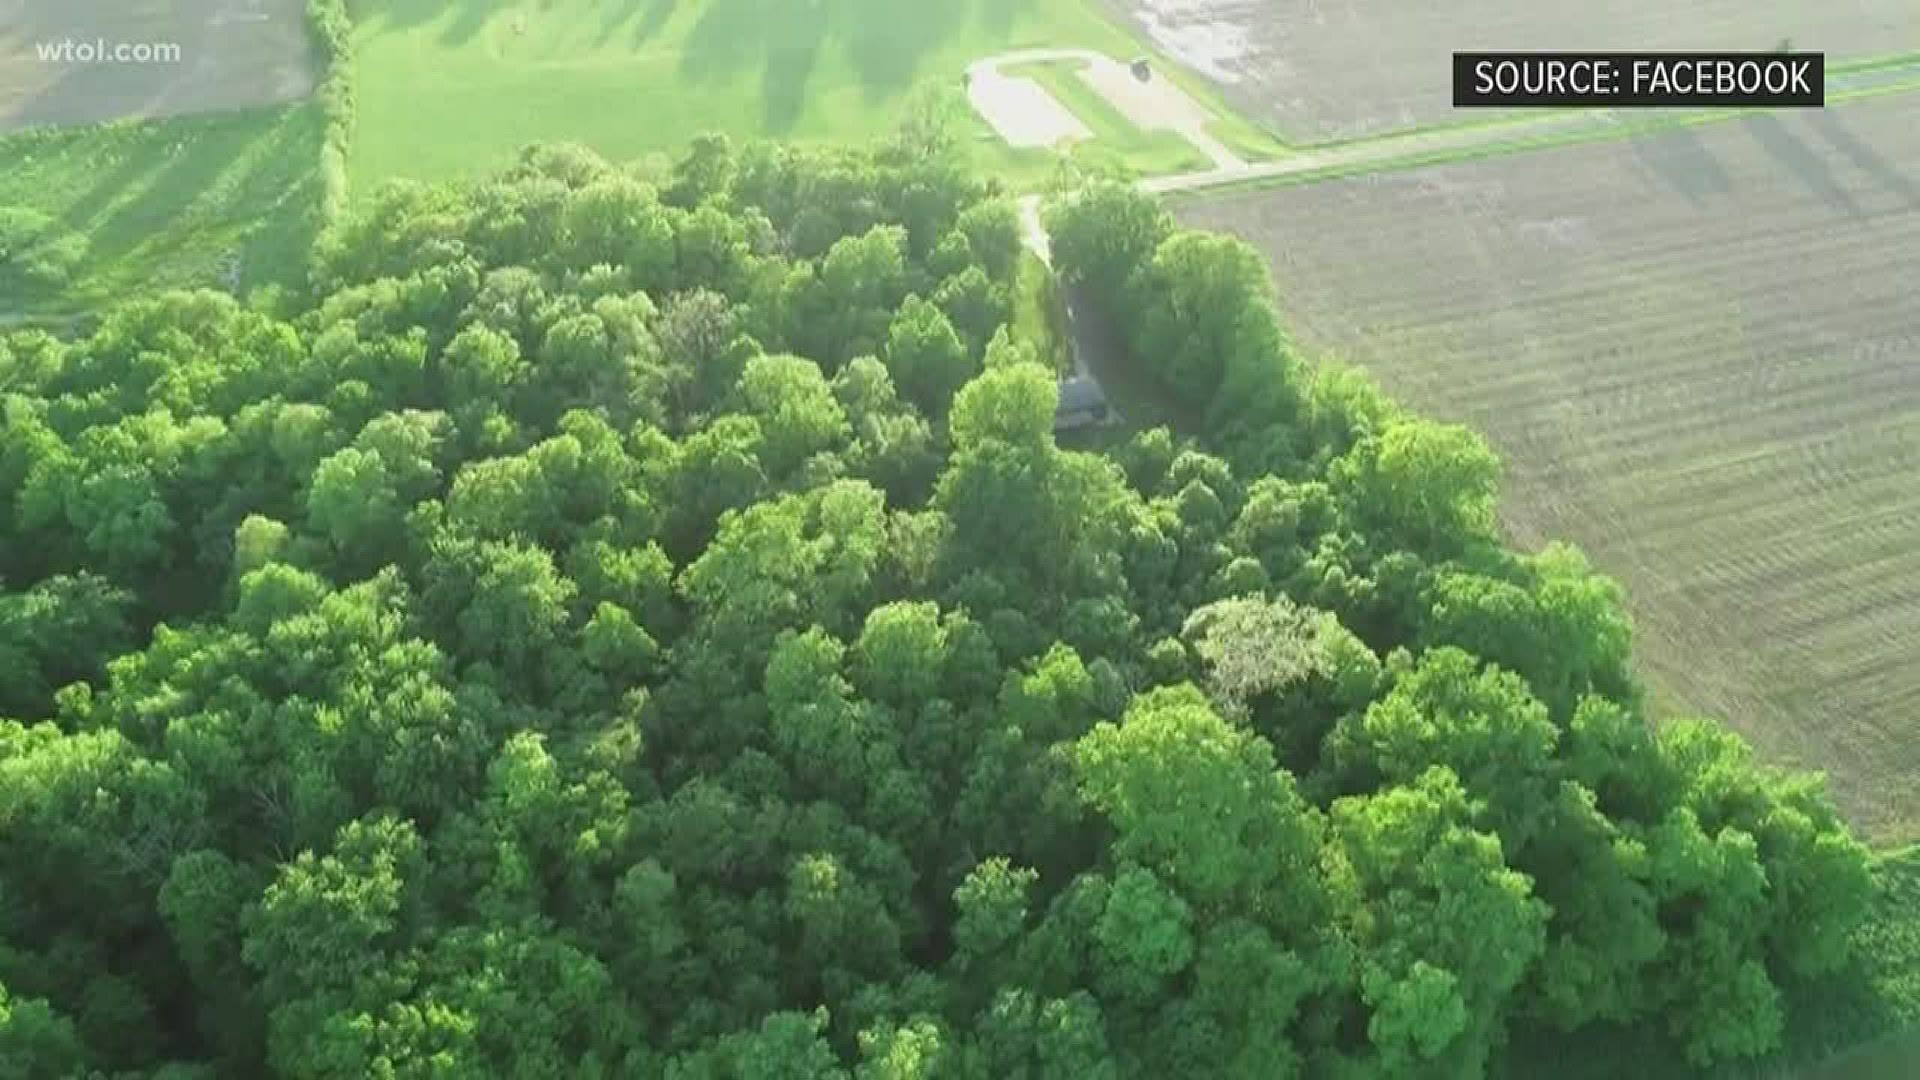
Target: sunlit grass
x=171 y=202
x=453 y=89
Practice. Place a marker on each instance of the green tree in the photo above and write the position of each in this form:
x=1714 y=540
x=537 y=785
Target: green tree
x=926 y=357
x=326 y=933
x=1205 y=305
x=1012 y=406
x=851 y=300
x=62 y=630
x=1201 y=803
x=37 y=1043
x=796 y=410
x=354 y=504
x=1105 y=233
x=992 y=906
x=1430 y=487
x=1145 y=935
x=1443 y=930
x=704 y=172
x=1479 y=722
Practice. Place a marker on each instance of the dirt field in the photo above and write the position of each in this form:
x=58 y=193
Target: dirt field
x=1326 y=69
x=231 y=54
x=1699 y=354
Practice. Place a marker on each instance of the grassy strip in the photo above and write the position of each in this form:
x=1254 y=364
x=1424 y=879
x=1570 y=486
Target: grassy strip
x=1874 y=63
x=1521 y=117
x=1040 y=313
x=1240 y=135
x=1147 y=153
x=1501 y=148
x=333 y=33
x=1492 y=121
x=1250 y=140
x=1021 y=170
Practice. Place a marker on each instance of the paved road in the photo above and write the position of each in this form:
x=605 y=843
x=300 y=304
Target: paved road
x=1153 y=105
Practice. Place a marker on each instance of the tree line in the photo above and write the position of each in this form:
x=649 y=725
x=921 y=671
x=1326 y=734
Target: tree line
x=623 y=625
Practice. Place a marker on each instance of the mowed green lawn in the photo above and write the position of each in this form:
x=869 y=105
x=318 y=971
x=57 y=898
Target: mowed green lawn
x=170 y=202
x=453 y=88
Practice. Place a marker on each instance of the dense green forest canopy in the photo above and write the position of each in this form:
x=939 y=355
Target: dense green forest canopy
x=613 y=627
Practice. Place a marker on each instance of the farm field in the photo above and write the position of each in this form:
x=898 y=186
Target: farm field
x=1316 y=70
x=449 y=90
x=1699 y=355
x=232 y=54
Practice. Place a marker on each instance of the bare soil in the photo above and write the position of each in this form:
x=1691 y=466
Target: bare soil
x=233 y=54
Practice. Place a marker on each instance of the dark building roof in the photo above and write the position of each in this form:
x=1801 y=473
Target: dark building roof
x=1081 y=404
x=1081 y=394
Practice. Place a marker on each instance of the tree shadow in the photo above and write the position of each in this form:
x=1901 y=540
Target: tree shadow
x=185 y=191
x=883 y=43
x=795 y=38
x=782 y=37
x=178 y=190
x=998 y=16
x=132 y=168
x=653 y=19
x=615 y=14
x=724 y=41
x=276 y=248
x=469 y=17
x=1865 y=157
x=886 y=41
x=1680 y=160
x=1808 y=167
x=398 y=14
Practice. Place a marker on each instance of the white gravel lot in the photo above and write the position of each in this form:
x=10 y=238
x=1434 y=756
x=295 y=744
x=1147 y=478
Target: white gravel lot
x=1021 y=110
